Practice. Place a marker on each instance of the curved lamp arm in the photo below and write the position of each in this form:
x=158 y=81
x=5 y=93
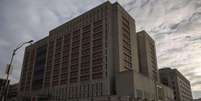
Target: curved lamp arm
x=14 y=52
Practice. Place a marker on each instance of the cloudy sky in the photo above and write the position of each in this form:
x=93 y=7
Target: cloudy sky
x=174 y=24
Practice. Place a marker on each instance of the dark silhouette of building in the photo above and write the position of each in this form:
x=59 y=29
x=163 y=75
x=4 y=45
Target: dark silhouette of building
x=13 y=92
x=199 y=99
x=2 y=88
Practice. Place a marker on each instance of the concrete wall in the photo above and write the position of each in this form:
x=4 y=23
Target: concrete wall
x=145 y=87
x=125 y=84
x=168 y=93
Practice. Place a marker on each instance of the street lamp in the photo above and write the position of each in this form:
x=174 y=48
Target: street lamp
x=158 y=92
x=9 y=67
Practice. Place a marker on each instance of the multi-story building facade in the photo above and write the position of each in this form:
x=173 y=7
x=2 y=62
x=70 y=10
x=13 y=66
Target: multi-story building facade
x=147 y=56
x=93 y=56
x=180 y=85
x=83 y=57
x=32 y=75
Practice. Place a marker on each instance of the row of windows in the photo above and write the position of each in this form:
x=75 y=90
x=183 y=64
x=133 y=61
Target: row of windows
x=49 y=64
x=85 y=77
x=126 y=42
x=75 y=56
x=97 y=60
x=86 y=28
x=57 y=61
x=27 y=71
x=86 y=90
x=75 y=48
x=55 y=82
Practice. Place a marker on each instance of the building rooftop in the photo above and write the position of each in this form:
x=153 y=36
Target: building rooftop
x=175 y=71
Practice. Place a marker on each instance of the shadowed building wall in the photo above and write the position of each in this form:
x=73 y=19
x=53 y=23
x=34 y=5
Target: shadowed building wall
x=32 y=75
x=2 y=88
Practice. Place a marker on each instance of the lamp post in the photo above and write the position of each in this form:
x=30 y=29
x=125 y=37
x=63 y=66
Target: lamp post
x=9 y=67
x=158 y=91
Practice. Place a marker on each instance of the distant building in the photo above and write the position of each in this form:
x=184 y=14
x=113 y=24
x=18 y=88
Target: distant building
x=2 y=88
x=180 y=85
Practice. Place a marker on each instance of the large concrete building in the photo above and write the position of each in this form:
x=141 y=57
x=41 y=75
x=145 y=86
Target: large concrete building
x=180 y=85
x=83 y=57
x=147 y=56
x=93 y=56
